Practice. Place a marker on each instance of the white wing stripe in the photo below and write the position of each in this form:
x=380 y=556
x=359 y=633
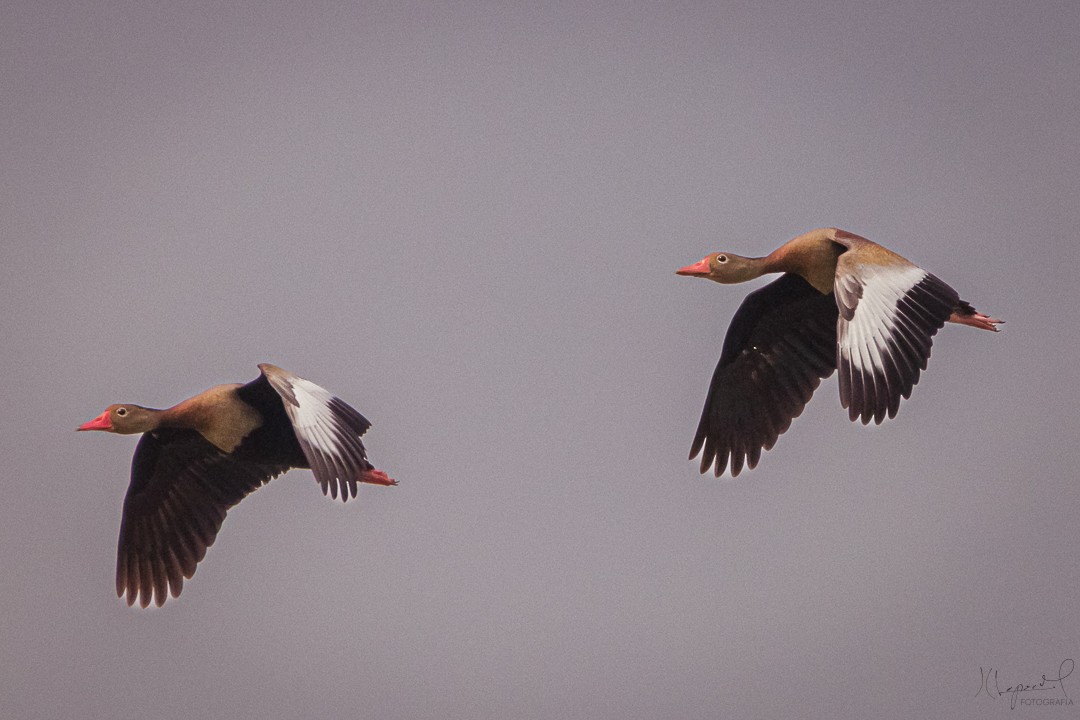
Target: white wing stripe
x=332 y=447
x=872 y=341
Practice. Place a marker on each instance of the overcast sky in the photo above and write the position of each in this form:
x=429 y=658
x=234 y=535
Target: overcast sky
x=464 y=219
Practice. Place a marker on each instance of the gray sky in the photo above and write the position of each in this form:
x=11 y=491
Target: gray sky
x=464 y=220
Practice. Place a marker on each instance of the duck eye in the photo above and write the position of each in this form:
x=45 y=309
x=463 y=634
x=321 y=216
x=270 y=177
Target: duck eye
x=721 y=258
x=121 y=412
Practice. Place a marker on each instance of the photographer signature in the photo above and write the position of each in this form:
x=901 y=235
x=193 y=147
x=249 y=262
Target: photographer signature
x=988 y=683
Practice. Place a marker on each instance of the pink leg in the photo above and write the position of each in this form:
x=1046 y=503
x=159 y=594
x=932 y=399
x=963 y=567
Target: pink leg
x=376 y=477
x=976 y=320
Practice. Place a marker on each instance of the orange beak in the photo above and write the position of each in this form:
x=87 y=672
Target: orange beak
x=698 y=269
x=101 y=422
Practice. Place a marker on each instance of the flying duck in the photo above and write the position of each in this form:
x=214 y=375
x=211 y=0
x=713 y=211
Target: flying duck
x=842 y=302
x=199 y=458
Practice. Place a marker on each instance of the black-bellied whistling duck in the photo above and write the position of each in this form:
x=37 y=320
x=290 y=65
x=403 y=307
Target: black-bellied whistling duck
x=842 y=301
x=197 y=459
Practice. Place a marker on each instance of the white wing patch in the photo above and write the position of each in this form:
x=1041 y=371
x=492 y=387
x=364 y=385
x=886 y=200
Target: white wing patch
x=888 y=315
x=328 y=431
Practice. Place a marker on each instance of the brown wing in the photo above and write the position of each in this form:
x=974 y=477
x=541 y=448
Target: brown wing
x=181 y=487
x=780 y=344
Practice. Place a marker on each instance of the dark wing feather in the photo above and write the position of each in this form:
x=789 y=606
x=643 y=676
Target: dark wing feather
x=779 y=346
x=181 y=487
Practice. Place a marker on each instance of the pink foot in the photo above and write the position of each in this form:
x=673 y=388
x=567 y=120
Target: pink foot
x=376 y=477
x=976 y=320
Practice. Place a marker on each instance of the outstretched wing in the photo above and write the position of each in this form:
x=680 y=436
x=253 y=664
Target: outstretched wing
x=181 y=487
x=889 y=314
x=329 y=433
x=779 y=346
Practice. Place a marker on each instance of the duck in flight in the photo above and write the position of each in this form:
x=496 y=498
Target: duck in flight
x=197 y=459
x=842 y=302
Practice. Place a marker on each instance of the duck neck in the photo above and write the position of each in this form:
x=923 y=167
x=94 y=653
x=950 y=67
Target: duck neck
x=173 y=417
x=778 y=261
x=752 y=268
x=815 y=267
